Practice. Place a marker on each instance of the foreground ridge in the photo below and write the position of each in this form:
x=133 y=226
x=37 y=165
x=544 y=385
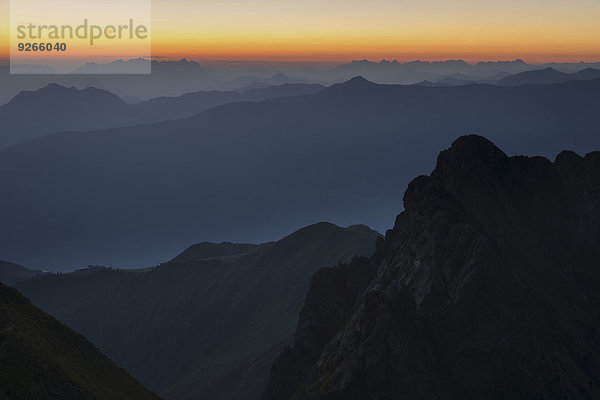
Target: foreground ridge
x=486 y=287
x=43 y=359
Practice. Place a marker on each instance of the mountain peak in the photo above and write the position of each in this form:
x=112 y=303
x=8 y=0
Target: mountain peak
x=359 y=79
x=53 y=88
x=358 y=82
x=357 y=85
x=54 y=93
x=469 y=153
x=470 y=165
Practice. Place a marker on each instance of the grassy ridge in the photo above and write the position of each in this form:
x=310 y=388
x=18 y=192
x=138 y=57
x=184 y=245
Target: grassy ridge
x=41 y=358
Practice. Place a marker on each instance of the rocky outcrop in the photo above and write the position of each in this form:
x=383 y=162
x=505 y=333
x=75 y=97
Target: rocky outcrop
x=486 y=288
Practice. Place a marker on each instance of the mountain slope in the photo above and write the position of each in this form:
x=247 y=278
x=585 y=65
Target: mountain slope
x=43 y=359
x=200 y=328
x=344 y=154
x=485 y=288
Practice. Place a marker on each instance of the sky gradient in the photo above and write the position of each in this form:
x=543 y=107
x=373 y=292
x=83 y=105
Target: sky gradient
x=341 y=30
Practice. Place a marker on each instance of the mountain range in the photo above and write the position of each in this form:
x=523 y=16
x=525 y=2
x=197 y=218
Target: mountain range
x=394 y=72
x=549 y=75
x=345 y=154
x=207 y=324
x=175 y=78
x=485 y=288
x=57 y=108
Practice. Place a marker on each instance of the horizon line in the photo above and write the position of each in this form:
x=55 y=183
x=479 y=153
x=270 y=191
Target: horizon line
x=6 y=61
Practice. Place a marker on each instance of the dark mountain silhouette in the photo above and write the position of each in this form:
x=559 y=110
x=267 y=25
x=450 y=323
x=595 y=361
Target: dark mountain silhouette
x=207 y=324
x=549 y=75
x=32 y=114
x=486 y=287
x=168 y=78
x=43 y=359
x=11 y=273
x=345 y=153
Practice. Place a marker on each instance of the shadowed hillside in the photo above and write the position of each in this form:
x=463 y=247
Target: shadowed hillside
x=42 y=359
x=208 y=324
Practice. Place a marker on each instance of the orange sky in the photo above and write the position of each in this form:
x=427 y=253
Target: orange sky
x=336 y=30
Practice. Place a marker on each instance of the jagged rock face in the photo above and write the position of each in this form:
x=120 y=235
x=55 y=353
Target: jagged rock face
x=486 y=288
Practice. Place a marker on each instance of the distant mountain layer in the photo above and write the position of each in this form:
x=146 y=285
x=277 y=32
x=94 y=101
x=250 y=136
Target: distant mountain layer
x=54 y=108
x=417 y=71
x=175 y=78
x=250 y=172
x=486 y=288
x=531 y=77
x=57 y=108
x=207 y=324
x=43 y=359
x=549 y=75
